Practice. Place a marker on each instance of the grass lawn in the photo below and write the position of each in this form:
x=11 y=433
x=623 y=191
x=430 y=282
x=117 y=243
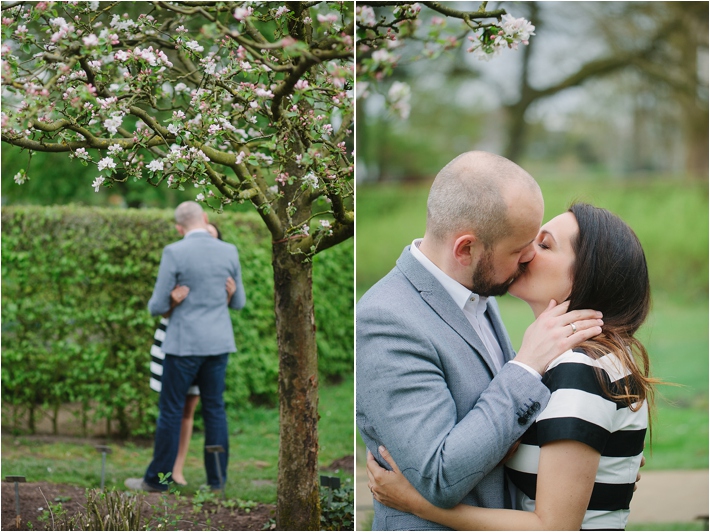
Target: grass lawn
x=253 y=463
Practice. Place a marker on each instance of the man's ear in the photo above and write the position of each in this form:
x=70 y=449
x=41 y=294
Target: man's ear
x=204 y=217
x=466 y=249
x=180 y=229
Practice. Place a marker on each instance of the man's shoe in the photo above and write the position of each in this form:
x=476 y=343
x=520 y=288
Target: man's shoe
x=138 y=484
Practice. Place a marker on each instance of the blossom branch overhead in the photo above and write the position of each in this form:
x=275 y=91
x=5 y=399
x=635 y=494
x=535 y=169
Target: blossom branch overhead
x=224 y=98
x=383 y=27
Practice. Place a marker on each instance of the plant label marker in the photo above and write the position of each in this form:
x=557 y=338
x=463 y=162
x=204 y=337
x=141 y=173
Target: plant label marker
x=104 y=450
x=332 y=483
x=215 y=450
x=16 y=479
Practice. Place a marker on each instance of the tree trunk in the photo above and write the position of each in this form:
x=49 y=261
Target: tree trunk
x=298 y=494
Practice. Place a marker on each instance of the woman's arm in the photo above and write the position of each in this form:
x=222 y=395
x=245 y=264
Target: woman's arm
x=566 y=474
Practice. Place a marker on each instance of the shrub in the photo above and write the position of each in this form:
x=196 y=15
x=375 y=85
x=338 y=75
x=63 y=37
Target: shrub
x=75 y=327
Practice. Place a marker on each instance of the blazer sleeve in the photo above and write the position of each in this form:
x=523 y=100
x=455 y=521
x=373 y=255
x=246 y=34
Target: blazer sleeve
x=159 y=302
x=405 y=404
x=239 y=298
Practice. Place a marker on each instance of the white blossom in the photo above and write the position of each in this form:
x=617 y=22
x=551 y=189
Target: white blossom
x=106 y=162
x=20 y=177
x=91 y=40
x=97 y=183
x=200 y=197
x=242 y=13
x=399 y=95
x=366 y=15
x=156 y=165
x=194 y=45
x=112 y=124
x=311 y=179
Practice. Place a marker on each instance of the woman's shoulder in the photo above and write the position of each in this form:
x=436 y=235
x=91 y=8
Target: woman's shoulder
x=609 y=363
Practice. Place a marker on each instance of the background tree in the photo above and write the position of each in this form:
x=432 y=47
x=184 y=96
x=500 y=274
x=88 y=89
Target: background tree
x=240 y=101
x=621 y=85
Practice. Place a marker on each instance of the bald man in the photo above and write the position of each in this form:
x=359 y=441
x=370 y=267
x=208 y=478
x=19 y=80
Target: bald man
x=197 y=342
x=438 y=382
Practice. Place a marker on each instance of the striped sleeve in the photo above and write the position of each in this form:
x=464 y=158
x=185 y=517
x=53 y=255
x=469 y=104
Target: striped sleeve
x=578 y=409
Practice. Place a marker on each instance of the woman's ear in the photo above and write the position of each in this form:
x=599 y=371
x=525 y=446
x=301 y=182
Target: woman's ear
x=466 y=249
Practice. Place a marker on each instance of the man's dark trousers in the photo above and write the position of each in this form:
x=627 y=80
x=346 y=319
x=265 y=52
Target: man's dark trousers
x=179 y=372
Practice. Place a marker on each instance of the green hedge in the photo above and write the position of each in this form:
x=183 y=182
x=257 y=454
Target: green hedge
x=75 y=328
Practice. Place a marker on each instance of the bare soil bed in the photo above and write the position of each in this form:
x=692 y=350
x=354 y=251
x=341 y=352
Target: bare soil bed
x=36 y=496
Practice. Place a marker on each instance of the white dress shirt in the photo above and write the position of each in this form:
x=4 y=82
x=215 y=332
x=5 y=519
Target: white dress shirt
x=473 y=307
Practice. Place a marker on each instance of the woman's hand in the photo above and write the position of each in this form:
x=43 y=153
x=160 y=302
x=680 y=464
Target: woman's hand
x=391 y=488
x=231 y=288
x=178 y=295
x=555 y=331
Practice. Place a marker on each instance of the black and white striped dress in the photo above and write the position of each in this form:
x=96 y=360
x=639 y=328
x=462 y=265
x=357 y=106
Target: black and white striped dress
x=578 y=410
x=156 y=360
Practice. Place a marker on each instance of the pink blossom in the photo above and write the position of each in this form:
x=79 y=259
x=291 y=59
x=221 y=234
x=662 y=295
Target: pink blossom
x=288 y=41
x=281 y=11
x=242 y=13
x=264 y=93
x=122 y=55
x=301 y=84
x=91 y=40
x=328 y=19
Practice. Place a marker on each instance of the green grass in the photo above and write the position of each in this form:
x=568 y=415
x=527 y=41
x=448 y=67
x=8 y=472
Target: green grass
x=670 y=218
x=254 y=447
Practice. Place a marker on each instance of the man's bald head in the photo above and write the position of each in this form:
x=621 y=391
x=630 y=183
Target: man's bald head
x=189 y=215
x=473 y=193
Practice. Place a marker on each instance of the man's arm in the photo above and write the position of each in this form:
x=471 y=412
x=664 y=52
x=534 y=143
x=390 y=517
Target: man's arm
x=407 y=406
x=167 y=279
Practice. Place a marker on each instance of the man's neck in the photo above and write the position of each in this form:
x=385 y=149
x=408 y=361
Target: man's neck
x=437 y=257
x=195 y=230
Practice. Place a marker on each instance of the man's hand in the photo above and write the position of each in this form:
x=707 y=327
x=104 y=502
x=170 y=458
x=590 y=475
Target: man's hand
x=510 y=453
x=556 y=331
x=178 y=295
x=231 y=288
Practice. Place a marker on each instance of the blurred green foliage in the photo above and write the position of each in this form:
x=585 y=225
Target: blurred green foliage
x=670 y=217
x=55 y=179
x=75 y=283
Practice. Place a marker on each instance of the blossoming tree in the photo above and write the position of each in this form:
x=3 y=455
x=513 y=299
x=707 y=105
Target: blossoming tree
x=244 y=101
x=382 y=27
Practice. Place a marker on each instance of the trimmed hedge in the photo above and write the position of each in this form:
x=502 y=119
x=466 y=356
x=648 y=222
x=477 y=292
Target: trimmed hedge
x=75 y=328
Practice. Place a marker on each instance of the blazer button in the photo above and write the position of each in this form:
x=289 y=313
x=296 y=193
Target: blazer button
x=535 y=406
x=522 y=420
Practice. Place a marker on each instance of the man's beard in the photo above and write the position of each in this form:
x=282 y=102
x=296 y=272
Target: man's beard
x=483 y=276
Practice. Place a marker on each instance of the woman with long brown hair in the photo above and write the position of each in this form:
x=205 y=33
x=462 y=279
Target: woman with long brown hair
x=576 y=466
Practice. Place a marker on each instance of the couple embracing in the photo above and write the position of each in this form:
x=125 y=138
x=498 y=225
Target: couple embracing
x=462 y=431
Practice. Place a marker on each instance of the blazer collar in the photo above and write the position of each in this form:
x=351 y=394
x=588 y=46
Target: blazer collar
x=441 y=302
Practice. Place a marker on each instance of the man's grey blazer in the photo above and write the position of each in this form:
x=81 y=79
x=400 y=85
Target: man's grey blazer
x=426 y=390
x=201 y=324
